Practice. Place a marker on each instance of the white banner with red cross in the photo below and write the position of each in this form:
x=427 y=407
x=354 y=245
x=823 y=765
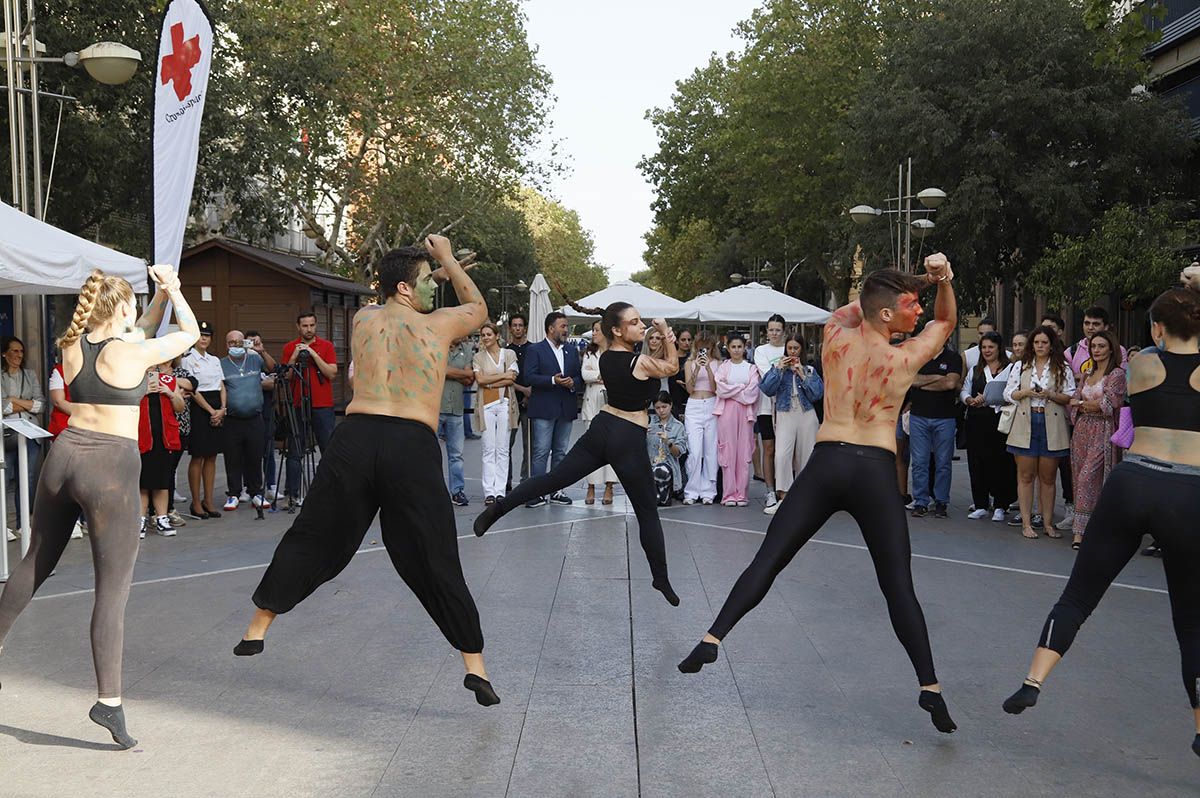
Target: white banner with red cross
x=185 y=50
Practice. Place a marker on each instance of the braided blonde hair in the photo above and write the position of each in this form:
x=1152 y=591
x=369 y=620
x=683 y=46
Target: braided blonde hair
x=98 y=302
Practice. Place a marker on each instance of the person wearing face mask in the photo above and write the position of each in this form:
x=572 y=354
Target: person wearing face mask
x=93 y=465
x=853 y=465
x=242 y=370
x=616 y=436
x=1154 y=489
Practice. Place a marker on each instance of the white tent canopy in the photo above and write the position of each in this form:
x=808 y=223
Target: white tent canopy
x=38 y=258
x=749 y=304
x=650 y=303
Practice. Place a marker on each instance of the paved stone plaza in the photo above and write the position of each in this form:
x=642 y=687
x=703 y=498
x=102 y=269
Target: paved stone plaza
x=357 y=693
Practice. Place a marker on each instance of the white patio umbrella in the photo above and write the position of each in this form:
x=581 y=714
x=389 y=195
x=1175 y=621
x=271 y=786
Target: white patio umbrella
x=751 y=303
x=650 y=303
x=539 y=308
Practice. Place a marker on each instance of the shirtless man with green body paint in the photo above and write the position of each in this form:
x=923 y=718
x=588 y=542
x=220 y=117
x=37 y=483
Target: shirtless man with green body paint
x=385 y=459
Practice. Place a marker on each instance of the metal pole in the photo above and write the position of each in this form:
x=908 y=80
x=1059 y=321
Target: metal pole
x=10 y=77
x=908 y=265
x=34 y=108
x=23 y=490
x=900 y=217
x=22 y=143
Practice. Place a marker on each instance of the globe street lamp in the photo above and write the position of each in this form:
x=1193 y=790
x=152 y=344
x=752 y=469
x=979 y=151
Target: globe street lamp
x=905 y=226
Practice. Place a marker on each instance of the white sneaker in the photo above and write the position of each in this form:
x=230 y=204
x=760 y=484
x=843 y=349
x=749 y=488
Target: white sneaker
x=179 y=497
x=162 y=525
x=771 y=499
x=77 y=532
x=142 y=531
x=1068 y=519
x=231 y=504
x=998 y=515
x=771 y=508
x=742 y=503
x=911 y=505
x=975 y=515
x=9 y=535
x=706 y=501
x=689 y=501
x=272 y=493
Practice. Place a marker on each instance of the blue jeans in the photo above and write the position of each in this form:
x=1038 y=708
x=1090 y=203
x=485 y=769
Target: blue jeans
x=450 y=426
x=551 y=439
x=322 y=423
x=926 y=436
x=11 y=473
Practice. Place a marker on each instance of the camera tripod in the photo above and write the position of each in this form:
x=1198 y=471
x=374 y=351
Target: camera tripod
x=294 y=427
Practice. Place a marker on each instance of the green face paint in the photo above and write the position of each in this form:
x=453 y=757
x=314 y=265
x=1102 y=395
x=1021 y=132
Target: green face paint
x=426 y=288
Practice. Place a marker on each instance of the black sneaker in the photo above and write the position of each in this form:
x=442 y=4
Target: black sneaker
x=1037 y=521
x=459 y=499
x=941 y=511
x=561 y=498
x=1016 y=521
x=920 y=512
x=540 y=501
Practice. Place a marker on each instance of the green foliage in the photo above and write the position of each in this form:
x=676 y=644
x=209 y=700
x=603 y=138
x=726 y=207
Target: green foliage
x=1126 y=37
x=1132 y=253
x=1007 y=106
x=564 y=250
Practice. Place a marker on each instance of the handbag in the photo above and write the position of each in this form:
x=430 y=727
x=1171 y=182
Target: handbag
x=1123 y=436
x=1005 y=422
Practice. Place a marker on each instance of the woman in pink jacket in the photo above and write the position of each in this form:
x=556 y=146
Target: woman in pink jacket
x=737 y=400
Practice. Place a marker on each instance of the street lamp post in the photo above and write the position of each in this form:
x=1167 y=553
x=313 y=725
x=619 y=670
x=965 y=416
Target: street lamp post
x=502 y=292
x=905 y=226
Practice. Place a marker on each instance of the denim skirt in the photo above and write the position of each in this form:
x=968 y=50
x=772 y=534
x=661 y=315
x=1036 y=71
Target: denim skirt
x=1037 y=441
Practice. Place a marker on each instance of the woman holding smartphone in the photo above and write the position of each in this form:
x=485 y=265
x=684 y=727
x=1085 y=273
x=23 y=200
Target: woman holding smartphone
x=699 y=372
x=797 y=389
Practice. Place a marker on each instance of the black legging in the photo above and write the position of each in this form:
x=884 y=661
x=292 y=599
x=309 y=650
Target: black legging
x=862 y=481
x=613 y=441
x=993 y=470
x=1137 y=499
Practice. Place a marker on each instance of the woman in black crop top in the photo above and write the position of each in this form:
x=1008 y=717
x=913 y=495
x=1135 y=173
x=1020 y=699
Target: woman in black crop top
x=93 y=465
x=1155 y=489
x=616 y=436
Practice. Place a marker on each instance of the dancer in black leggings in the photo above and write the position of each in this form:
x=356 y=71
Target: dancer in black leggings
x=93 y=466
x=1155 y=489
x=616 y=436
x=853 y=466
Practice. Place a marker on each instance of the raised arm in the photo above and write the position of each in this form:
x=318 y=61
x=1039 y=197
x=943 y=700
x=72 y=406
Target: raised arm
x=151 y=319
x=847 y=316
x=925 y=347
x=159 y=350
x=648 y=367
x=472 y=310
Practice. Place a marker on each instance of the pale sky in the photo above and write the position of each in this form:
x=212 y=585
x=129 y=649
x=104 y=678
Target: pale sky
x=611 y=62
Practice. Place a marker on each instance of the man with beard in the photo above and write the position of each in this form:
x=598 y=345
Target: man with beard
x=385 y=459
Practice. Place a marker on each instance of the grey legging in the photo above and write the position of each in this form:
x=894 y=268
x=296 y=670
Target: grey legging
x=94 y=473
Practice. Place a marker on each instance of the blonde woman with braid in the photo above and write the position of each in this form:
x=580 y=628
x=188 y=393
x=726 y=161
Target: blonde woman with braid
x=93 y=466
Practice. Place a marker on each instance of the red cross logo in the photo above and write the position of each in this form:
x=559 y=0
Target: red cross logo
x=178 y=65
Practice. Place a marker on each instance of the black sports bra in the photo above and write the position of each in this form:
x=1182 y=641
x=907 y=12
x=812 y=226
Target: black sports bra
x=1174 y=403
x=626 y=392
x=89 y=388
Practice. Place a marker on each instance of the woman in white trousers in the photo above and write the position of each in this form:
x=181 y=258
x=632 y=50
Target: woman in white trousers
x=593 y=400
x=797 y=388
x=699 y=421
x=496 y=411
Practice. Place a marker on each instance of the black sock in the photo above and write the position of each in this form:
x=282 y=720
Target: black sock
x=490 y=515
x=484 y=693
x=248 y=648
x=1196 y=745
x=113 y=719
x=703 y=654
x=1021 y=700
x=663 y=585
x=935 y=705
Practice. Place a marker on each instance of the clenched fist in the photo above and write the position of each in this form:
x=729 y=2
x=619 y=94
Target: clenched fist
x=937 y=268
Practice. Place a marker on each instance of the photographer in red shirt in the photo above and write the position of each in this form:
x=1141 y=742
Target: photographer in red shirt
x=316 y=360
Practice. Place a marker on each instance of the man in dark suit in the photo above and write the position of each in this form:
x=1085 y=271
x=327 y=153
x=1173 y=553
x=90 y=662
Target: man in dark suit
x=552 y=370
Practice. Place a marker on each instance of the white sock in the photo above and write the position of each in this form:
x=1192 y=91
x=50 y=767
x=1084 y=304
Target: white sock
x=110 y=702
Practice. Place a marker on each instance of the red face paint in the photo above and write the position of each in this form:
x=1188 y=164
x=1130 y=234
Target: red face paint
x=908 y=310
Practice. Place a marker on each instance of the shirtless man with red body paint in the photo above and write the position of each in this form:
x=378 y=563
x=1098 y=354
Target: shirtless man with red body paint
x=853 y=466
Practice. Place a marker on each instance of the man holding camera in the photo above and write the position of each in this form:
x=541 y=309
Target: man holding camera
x=244 y=436
x=315 y=359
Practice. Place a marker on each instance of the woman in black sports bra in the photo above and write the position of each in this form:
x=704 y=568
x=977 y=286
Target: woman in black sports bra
x=616 y=436
x=94 y=464
x=1155 y=489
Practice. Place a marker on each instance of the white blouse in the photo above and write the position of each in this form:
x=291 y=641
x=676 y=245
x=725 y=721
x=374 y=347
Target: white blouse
x=207 y=369
x=1042 y=377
